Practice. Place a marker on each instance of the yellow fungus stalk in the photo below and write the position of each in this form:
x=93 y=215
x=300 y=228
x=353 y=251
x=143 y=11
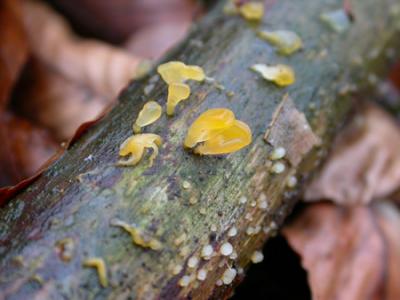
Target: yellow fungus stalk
x=252 y=11
x=138 y=237
x=175 y=74
x=216 y=132
x=286 y=42
x=177 y=92
x=100 y=266
x=150 y=113
x=281 y=75
x=135 y=146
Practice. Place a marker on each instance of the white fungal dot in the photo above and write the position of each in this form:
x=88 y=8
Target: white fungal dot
x=186 y=184
x=226 y=249
x=193 y=262
x=207 y=251
x=278 y=167
x=185 y=280
x=263 y=204
x=229 y=275
x=291 y=182
x=257 y=257
x=250 y=230
x=243 y=200
x=249 y=217
x=219 y=282
x=240 y=270
x=213 y=228
x=177 y=269
x=201 y=274
x=253 y=203
x=234 y=255
x=232 y=232
x=273 y=225
x=277 y=153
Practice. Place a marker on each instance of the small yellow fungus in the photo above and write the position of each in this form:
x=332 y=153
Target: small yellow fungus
x=186 y=185
x=281 y=75
x=135 y=146
x=217 y=132
x=100 y=266
x=139 y=237
x=227 y=141
x=207 y=125
x=286 y=42
x=252 y=11
x=175 y=73
x=150 y=113
x=185 y=281
x=177 y=269
x=177 y=92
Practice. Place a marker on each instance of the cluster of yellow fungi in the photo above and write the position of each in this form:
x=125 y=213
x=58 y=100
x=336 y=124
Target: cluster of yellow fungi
x=216 y=131
x=175 y=74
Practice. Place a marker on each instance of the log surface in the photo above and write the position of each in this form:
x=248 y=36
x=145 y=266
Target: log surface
x=78 y=198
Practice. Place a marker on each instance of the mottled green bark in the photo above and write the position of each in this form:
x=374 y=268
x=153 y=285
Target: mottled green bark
x=80 y=195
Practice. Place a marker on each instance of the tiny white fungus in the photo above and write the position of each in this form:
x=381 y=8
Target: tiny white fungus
x=229 y=275
x=263 y=204
x=250 y=230
x=234 y=255
x=232 y=232
x=219 y=282
x=243 y=200
x=291 y=182
x=278 y=153
x=185 y=280
x=207 y=251
x=201 y=274
x=177 y=269
x=193 y=262
x=186 y=184
x=257 y=257
x=278 y=167
x=226 y=249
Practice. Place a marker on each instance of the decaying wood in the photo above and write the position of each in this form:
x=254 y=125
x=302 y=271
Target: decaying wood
x=185 y=201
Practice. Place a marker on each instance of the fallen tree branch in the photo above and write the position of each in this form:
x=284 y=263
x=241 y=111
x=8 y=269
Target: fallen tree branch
x=186 y=202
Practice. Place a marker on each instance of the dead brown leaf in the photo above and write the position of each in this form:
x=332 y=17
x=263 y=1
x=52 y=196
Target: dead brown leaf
x=24 y=148
x=349 y=253
x=103 y=68
x=13 y=48
x=55 y=102
x=364 y=163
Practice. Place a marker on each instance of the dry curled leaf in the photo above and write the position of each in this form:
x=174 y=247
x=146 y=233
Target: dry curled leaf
x=13 y=48
x=103 y=68
x=56 y=102
x=25 y=148
x=349 y=253
x=365 y=161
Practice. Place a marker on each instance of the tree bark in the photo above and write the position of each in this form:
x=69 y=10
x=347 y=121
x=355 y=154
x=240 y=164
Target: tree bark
x=66 y=216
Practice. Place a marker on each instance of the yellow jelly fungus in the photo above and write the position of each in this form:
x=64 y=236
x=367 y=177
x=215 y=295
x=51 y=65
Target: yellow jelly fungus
x=138 y=237
x=286 y=42
x=175 y=73
x=281 y=75
x=252 y=11
x=135 y=146
x=177 y=92
x=227 y=141
x=150 y=113
x=217 y=131
x=100 y=266
x=208 y=125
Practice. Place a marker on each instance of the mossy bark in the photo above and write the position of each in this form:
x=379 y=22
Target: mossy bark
x=83 y=192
